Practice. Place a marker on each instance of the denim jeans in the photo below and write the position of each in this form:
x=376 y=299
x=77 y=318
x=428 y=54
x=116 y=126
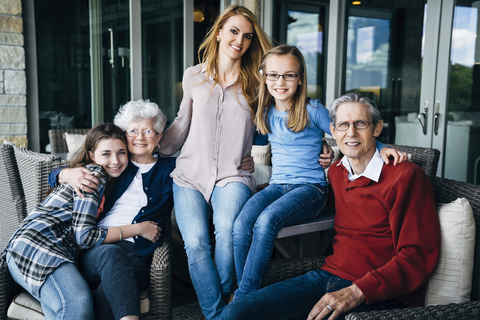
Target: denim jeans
x=64 y=295
x=257 y=226
x=211 y=279
x=119 y=274
x=294 y=299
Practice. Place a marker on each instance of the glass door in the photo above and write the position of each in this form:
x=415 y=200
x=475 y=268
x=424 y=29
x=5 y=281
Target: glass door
x=110 y=57
x=303 y=24
x=457 y=101
x=383 y=60
x=116 y=61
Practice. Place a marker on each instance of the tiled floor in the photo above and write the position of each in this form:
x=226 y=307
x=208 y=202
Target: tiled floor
x=185 y=303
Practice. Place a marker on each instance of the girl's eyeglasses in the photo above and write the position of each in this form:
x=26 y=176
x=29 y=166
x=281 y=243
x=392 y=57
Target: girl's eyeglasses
x=287 y=77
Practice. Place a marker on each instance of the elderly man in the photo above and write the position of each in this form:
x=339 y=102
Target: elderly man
x=388 y=234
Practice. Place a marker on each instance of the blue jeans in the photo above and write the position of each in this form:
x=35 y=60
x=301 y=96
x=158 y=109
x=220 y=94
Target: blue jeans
x=211 y=279
x=257 y=226
x=294 y=299
x=64 y=295
x=119 y=274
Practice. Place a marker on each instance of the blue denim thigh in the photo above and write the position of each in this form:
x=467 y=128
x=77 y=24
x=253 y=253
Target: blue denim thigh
x=227 y=202
x=119 y=274
x=243 y=227
x=286 y=300
x=192 y=213
x=64 y=295
x=298 y=202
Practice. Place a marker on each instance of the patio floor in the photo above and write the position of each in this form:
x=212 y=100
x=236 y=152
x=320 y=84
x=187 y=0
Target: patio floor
x=185 y=303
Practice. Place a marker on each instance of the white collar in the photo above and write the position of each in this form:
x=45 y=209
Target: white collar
x=372 y=171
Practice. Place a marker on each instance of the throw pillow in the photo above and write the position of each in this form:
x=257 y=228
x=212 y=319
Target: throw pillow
x=74 y=141
x=452 y=280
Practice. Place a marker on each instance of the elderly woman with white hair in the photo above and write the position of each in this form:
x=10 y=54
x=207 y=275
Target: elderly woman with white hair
x=143 y=192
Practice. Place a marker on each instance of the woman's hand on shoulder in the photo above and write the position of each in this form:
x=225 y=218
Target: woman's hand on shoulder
x=81 y=179
x=150 y=231
x=398 y=156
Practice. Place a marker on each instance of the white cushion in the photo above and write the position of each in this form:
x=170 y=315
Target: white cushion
x=74 y=141
x=452 y=280
x=262 y=154
x=26 y=307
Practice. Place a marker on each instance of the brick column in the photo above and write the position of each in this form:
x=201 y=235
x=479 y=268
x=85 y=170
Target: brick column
x=13 y=89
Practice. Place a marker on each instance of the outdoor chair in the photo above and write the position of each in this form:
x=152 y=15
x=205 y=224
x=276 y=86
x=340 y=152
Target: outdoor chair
x=446 y=191
x=425 y=158
x=12 y=198
x=34 y=168
x=58 y=143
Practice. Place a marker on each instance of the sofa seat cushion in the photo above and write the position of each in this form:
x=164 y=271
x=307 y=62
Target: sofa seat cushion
x=26 y=307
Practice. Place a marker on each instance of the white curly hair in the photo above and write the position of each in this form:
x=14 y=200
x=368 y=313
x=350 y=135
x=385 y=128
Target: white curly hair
x=139 y=110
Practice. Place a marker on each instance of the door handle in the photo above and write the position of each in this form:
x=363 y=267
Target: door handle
x=436 y=117
x=424 y=115
x=112 y=61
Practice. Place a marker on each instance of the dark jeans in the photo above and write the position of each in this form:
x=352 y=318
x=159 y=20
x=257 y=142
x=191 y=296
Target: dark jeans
x=294 y=299
x=119 y=274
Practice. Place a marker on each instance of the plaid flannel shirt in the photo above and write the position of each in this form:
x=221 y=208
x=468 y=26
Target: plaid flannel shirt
x=50 y=234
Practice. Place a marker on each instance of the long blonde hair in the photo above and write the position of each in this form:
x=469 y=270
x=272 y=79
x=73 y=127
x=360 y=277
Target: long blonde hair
x=249 y=78
x=297 y=118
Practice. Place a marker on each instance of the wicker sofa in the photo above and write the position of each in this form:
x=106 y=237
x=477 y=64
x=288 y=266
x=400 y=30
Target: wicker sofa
x=32 y=171
x=446 y=191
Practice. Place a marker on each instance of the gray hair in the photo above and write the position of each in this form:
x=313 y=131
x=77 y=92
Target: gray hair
x=355 y=97
x=139 y=110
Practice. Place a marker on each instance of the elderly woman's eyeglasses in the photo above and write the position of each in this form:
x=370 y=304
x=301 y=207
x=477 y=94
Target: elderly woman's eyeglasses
x=146 y=133
x=287 y=77
x=359 y=124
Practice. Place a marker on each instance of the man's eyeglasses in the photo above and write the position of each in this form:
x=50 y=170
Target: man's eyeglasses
x=286 y=77
x=146 y=133
x=359 y=124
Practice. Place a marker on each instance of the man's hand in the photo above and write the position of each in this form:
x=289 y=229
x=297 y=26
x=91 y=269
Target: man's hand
x=81 y=179
x=336 y=303
x=326 y=157
x=248 y=164
x=398 y=156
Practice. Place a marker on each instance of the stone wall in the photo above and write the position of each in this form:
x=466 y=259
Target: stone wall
x=13 y=89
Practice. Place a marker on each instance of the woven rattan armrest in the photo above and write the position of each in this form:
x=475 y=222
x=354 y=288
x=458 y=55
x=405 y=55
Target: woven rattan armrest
x=161 y=279
x=8 y=289
x=457 y=311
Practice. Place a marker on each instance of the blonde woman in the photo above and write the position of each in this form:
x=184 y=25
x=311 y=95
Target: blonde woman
x=214 y=127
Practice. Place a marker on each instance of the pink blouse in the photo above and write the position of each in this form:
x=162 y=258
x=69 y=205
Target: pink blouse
x=216 y=130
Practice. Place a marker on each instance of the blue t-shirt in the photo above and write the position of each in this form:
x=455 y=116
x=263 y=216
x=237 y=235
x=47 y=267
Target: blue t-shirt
x=295 y=155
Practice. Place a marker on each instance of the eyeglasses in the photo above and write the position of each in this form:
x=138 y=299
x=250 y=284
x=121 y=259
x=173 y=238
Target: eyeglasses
x=359 y=124
x=146 y=133
x=287 y=77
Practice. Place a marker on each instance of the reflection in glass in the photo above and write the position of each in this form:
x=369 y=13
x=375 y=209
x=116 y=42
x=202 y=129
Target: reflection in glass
x=462 y=156
x=368 y=48
x=63 y=66
x=305 y=31
x=383 y=60
x=162 y=70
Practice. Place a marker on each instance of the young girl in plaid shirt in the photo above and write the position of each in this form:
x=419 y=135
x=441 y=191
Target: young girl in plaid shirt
x=41 y=255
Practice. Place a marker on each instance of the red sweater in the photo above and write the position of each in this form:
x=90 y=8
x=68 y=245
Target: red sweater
x=388 y=233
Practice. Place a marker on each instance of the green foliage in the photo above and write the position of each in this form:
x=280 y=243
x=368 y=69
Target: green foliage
x=460 y=95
